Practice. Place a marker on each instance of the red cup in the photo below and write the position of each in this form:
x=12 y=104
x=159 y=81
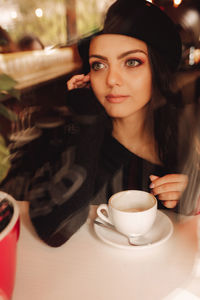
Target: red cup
x=8 y=250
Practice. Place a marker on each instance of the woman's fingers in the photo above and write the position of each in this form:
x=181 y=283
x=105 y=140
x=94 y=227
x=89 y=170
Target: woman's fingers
x=170 y=204
x=72 y=83
x=78 y=81
x=173 y=195
x=168 y=188
x=168 y=178
x=153 y=177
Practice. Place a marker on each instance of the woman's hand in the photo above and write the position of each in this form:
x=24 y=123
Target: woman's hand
x=168 y=188
x=78 y=81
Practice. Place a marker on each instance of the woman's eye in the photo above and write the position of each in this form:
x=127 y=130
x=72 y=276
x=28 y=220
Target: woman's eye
x=133 y=62
x=96 y=66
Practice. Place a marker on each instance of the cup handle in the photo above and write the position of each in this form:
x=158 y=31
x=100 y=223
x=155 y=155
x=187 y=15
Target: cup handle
x=101 y=215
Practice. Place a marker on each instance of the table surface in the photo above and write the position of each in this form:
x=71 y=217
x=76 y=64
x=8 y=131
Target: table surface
x=86 y=268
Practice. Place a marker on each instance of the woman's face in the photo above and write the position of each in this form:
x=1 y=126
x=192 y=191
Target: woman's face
x=120 y=74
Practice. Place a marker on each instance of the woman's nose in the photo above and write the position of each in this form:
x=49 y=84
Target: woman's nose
x=114 y=77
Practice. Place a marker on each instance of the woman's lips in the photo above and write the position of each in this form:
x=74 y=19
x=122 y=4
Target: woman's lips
x=116 y=98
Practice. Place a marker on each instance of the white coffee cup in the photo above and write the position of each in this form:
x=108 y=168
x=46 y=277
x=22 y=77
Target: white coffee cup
x=132 y=212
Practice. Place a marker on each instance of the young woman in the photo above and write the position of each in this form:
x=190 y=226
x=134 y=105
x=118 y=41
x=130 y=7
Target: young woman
x=126 y=123
x=121 y=78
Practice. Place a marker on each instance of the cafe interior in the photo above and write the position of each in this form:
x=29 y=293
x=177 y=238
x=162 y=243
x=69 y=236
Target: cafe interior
x=38 y=55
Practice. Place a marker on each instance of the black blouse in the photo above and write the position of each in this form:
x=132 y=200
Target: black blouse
x=119 y=169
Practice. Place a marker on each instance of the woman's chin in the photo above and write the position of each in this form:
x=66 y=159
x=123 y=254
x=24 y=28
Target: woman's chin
x=117 y=113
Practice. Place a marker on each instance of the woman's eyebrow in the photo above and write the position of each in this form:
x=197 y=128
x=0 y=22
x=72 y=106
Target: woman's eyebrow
x=120 y=56
x=98 y=56
x=131 y=52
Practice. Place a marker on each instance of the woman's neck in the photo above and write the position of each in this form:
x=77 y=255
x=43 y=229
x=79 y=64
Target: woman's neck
x=136 y=133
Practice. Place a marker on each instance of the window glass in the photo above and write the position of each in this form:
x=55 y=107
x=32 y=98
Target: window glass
x=47 y=19
x=90 y=14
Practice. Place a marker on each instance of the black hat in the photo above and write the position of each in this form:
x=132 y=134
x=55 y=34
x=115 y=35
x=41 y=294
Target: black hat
x=142 y=20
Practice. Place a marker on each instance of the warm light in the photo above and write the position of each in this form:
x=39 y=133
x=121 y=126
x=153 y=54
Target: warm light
x=191 y=18
x=177 y=2
x=13 y=14
x=197 y=60
x=39 y=12
x=150 y=1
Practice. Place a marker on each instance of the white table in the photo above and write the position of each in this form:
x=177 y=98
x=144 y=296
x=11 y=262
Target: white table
x=86 y=268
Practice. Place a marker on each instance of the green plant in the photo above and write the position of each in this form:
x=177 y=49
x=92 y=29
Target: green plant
x=7 y=88
x=4 y=159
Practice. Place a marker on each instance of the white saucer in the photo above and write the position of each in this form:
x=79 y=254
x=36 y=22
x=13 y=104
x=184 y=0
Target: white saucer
x=160 y=232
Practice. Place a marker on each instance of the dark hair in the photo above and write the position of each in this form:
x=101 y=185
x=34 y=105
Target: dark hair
x=164 y=108
x=162 y=76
